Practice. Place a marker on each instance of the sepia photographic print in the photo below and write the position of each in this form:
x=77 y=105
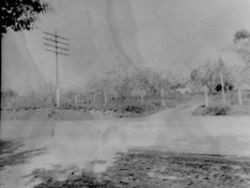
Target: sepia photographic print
x=125 y=94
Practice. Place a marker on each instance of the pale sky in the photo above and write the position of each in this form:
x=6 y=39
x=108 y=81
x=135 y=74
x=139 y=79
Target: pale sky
x=164 y=35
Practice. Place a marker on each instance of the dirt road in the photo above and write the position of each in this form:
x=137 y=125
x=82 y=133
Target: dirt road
x=82 y=142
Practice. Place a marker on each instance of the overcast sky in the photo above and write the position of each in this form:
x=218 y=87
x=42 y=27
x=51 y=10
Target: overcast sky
x=107 y=34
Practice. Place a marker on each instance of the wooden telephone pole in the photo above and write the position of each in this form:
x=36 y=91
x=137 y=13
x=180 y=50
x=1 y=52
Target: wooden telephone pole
x=222 y=81
x=59 y=46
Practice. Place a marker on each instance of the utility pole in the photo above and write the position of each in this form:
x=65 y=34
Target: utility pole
x=222 y=88
x=59 y=46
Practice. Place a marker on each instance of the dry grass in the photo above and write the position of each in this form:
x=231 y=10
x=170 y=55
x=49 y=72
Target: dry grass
x=231 y=107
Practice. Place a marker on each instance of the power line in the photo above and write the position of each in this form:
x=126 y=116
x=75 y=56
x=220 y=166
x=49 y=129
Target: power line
x=59 y=42
x=59 y=47
x=49 y=50
x=55 y=35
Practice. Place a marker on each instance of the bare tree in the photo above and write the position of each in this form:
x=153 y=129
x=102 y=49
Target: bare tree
x=240 y=76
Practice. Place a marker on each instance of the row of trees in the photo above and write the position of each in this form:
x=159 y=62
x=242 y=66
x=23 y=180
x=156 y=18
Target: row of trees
x=216 y=76
x=145 y=83
x=219 y=77
x=211 y=77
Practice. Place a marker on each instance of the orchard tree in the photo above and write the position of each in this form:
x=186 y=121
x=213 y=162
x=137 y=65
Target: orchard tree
x=204 y=75
x=241 y=35
x=240 y=77
x=242 y=45
x=208 y=75
x=21 y=14
x=149 y=81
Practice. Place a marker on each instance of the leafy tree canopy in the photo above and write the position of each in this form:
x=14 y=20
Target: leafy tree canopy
x=20 y=14
x=242 y=45
x=241 y=34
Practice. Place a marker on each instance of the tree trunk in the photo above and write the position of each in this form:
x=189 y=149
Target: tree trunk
x=206 y=97
x=222 y=88
x=76 y=101
x=105 y=99
x=163 y=103
x=239 y=96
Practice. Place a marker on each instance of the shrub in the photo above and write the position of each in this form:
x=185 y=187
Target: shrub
x=134 y=109
x=8 y=93
x=213 y=110
x=7 y=97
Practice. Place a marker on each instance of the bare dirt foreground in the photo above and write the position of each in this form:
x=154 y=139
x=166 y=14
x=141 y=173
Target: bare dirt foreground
x=140 y=168
x=174 y=149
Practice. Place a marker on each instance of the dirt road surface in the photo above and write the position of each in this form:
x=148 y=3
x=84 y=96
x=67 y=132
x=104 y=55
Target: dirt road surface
x=82 y=142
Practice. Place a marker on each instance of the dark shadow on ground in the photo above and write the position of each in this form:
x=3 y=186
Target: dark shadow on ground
x=10 y=156
x=151 y=169
x=61 y=177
